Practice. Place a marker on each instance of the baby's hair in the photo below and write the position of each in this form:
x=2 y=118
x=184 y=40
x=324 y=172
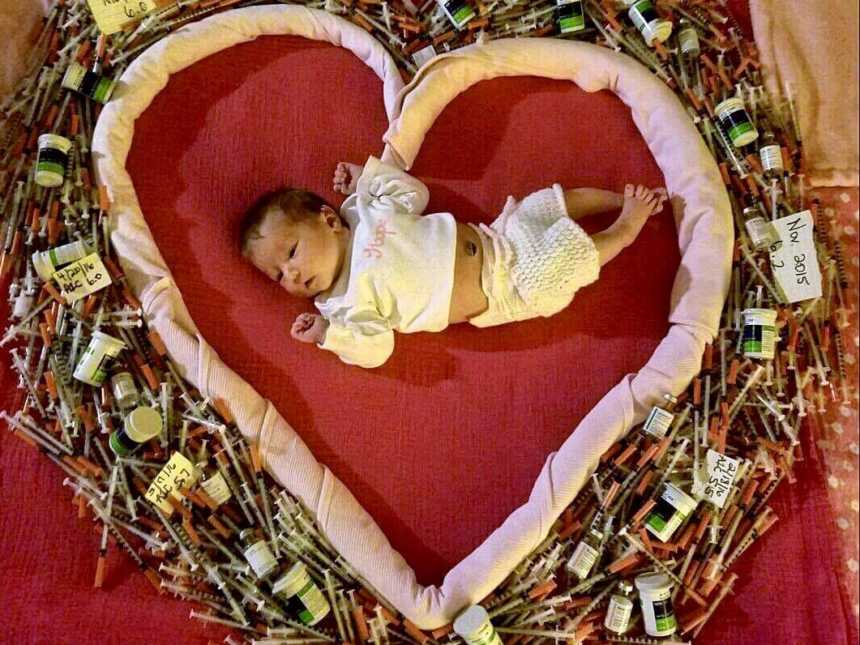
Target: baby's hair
x=295 y=204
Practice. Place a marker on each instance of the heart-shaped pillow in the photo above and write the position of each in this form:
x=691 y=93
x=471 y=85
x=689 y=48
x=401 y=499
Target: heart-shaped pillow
x=705 y=241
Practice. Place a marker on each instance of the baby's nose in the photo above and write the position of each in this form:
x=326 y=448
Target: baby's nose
x=294 y=275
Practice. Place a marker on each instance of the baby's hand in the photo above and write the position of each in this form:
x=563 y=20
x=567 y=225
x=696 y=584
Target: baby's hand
x=346 y=177
x=309 y=328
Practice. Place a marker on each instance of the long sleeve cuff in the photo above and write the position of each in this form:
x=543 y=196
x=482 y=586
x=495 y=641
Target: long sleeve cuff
x=355 y=348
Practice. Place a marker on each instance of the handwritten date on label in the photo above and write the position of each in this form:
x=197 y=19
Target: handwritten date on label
x=795 y=262
x=114 y=15
x=715 y=480
x=82 y=278
x=176 y=475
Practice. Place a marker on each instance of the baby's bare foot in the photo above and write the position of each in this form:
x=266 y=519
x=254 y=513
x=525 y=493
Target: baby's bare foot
x=639 y=204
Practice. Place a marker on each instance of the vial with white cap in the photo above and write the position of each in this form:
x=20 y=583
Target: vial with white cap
x=474 y=627
x=646 y=19
x=46 y=262
x=92 y=368
x=655 y=596
x=52 y=160
x=304 y=598
x=141 y=425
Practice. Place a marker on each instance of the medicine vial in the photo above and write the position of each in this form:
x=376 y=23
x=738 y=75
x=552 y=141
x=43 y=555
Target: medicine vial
x=139 y=426
x=217 y=488
x=733 y=117
x=83 y=81
x=571 y=17
x=771 y=156
x=660 y=419
x=761 y=232
x=304 y=598
x=672 y=508
x=587 y=552
x=458 y=12
x=620 y=609
x=52 y=160
x=474 y=627
x=655 y=596
x=124 y=390
x=92 y=369
x=648 y=22
x=46 y=262
x=258 y=554
x=688 y=39
x=759 y=333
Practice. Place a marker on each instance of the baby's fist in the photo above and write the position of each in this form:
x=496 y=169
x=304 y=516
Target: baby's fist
x=309 y=328
x=346 y=177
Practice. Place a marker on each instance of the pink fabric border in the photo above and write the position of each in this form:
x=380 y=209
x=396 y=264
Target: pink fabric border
x=705 y=238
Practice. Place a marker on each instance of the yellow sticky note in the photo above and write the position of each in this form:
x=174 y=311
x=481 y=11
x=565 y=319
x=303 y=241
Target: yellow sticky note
x=178 y=473
x=82 y=278
x=112 y=15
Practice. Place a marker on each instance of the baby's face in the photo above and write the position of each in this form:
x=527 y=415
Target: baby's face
x=304 y=257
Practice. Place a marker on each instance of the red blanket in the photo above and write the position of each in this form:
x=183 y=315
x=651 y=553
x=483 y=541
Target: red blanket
x=446 y=439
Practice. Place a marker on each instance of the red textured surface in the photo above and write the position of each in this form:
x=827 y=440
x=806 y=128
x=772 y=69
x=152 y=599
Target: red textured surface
x=445 y=440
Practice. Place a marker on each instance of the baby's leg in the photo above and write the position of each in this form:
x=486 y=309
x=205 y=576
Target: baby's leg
x=639 y=204
x=582 y=202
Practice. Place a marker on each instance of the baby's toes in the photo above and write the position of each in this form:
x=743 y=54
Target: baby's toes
x=628 y=191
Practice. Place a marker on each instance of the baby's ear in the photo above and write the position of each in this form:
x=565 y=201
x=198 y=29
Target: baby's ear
x=331 y=218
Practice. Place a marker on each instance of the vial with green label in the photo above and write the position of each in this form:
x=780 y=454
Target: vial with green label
x=655 y=596
x=649 y=23
x=571 y=17
x=139 y=426
x=458 y=12
x=52 y=160
x=733 y=117
x=672 y=508
x=304 y=598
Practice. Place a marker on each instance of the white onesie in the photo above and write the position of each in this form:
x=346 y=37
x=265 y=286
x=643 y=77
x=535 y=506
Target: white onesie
x=398 y=273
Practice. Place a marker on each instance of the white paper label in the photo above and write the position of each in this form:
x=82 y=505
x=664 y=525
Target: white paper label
x=714 y=481
x=178 y=473
x=795 y=263
x=82 y=278
x=112 y=15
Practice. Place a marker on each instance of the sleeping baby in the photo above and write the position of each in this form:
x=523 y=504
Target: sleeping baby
x=380 y=266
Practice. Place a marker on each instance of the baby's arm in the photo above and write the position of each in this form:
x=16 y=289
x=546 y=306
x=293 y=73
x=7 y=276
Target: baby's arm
x=384 y=187
x=367 y=346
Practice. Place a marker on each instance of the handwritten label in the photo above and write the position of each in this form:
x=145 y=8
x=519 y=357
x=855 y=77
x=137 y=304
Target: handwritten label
x=113 y=15
x=177 y=474
x=82 y=278
x=714 y=481
x=795 y=262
